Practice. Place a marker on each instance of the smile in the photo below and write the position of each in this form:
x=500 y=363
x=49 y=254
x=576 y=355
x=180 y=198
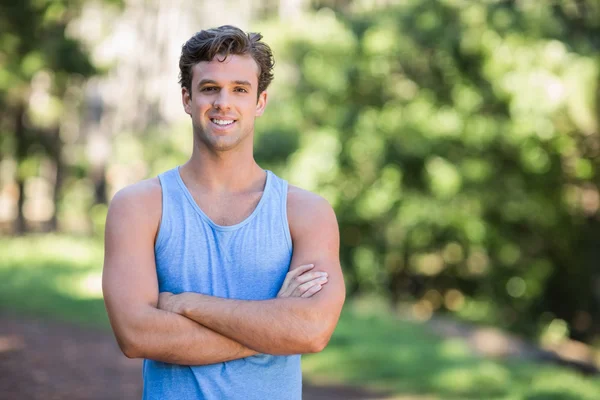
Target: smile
x=222 y=122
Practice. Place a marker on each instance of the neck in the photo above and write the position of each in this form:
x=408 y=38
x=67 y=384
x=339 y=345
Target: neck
x=227 y=171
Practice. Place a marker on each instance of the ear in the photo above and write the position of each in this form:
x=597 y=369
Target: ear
x=261 y=103
x=186 y=99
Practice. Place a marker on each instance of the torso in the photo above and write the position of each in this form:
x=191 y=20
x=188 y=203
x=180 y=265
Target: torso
x=243 y=252
x=230 y=209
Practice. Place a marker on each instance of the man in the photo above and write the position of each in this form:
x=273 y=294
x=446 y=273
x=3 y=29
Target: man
x=217 y=273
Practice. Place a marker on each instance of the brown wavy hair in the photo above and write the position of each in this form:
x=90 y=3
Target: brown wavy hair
x=224 y=41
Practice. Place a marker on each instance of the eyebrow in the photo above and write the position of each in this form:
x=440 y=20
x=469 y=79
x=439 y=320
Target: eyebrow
x=212 y=82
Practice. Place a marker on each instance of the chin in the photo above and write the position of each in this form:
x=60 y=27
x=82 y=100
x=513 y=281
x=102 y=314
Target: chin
x=221 y=142
x=224 y=144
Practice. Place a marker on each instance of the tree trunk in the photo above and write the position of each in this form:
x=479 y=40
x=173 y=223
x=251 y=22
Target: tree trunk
x=21 y=142
x=98 y=175
x=399 y=280
x=56 y=154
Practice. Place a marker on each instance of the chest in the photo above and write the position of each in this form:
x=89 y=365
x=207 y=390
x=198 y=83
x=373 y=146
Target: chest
x=246 y=263
x=229 y=209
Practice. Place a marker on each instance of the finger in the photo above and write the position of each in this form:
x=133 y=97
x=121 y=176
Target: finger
x=300 y=270
x=309 y=276
x=311 y=291
x=301 y=279
x=300 y=289
x=305 y=286
x=295 y=272
x=285 y=286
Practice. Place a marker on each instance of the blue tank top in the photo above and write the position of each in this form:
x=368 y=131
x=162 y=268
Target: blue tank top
x=246 y=261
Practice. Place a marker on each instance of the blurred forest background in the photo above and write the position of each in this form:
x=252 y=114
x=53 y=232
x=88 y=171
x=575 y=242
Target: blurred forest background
x=457 y=140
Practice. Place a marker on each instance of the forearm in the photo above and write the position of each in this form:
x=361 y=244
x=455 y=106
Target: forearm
x=168 y=337
x=277 y=326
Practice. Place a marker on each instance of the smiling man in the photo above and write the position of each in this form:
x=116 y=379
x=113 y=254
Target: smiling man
x=217 y=272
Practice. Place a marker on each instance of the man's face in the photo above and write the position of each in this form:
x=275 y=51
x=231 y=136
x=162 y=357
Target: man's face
x=223 y=102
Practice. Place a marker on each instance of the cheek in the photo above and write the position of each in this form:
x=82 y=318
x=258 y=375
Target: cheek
x=201 y=105
x=251 y=109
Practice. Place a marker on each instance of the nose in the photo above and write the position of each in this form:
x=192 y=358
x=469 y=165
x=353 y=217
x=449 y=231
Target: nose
x=222 y=100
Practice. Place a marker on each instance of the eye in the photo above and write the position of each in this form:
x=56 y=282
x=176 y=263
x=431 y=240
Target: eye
x=208 y=89
x=241 y=90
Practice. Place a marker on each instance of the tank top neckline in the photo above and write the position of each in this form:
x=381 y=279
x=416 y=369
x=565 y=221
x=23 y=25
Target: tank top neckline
x=208 y=220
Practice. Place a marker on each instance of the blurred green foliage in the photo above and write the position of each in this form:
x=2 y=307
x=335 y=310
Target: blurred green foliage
x=457 y=140
x=42 y=67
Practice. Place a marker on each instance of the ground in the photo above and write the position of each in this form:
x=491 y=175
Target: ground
x=56 y=361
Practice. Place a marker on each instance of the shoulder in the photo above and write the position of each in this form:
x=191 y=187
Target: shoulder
x=139 y=203
x=141 y=194
x=301 y=200
x=307 y=209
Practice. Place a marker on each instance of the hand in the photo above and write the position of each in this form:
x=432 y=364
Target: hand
x=301 y=282
x=170 y=302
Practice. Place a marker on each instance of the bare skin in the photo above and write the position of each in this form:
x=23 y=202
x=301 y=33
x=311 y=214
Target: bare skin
x=226 y=182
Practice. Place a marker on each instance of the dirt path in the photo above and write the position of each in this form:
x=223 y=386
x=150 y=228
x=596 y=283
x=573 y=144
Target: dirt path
x=55 y=361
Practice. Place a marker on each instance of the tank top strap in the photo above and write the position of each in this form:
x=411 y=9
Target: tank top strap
x=277 y=201
x=170 y=193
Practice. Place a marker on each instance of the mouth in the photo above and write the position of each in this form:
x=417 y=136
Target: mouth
x=223 y=122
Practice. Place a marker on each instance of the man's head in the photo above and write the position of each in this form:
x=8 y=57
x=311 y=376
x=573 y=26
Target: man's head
x=224 y=76
x=224 y=41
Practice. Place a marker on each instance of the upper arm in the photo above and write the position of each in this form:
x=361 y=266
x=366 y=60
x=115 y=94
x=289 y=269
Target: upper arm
x=129 y=280
x=316 y=240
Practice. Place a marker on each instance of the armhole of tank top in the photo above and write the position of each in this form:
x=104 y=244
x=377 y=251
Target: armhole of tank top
x=163 y=224
x=284 y=219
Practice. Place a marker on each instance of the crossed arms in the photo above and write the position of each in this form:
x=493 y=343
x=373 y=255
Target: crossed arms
x=195 y=329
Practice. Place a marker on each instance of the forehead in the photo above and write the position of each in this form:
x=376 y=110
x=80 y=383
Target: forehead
x=233 y=68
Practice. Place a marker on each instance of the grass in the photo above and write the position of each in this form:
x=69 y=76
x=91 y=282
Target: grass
x=53 y=277
x=59 y=278
x=403 y=357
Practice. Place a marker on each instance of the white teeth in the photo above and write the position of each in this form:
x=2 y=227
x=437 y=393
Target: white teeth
x=222 y=121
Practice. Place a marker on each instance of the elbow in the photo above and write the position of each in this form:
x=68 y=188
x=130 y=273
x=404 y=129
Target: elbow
x=305 y=341
x=128 y=352
x=129 y=347
x=131 y=351
x=128 y=330
x=319 y=340
x=320 y=334
x=324 y=323
x=317 y=330
x=317 y=346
